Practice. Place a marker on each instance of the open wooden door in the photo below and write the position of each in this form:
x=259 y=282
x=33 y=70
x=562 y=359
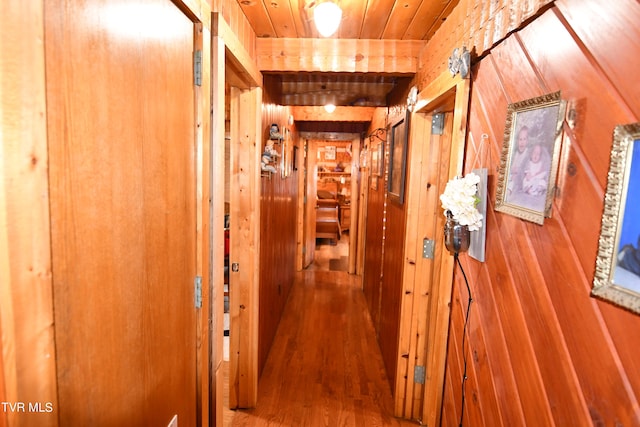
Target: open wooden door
x=121 y=125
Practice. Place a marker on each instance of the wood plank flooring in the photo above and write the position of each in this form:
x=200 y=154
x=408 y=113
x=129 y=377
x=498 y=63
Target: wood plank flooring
x=325 y=367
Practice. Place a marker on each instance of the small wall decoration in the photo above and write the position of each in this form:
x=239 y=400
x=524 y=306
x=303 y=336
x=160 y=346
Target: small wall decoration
x=330 y=152
x=617 y=275
x=460 y=62
x=398 y=159
x=529 y=160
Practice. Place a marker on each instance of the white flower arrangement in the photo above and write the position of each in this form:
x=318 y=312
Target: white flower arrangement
x=460 y=200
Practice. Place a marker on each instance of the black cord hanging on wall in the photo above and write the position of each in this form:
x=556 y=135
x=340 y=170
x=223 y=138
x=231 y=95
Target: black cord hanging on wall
x=464 y=336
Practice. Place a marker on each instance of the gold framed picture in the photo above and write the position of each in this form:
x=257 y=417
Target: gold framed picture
x=529 y=159
x=617 y=274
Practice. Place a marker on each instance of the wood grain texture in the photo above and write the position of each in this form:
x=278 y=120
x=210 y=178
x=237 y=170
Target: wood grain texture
x=477 y=26
x=541 y=350
x=27 y=352
x=245 y=233
x=392 y=273
x=341 y=114
x=237 y=22
x=336 y=55
x=371 y=280
x=325 y=366
x=123 y=213
x=278 y=204
x=381 y=19
x=217 y=207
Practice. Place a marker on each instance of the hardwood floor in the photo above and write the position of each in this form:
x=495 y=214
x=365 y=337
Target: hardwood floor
x=325 y=367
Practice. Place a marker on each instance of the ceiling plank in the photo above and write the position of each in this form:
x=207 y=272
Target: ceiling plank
x=400 y=18
x=428 y=19
x=341 y=114
x=376 y=18
x=281 y=17
x=338 y=55
x=256 y=13
x=352 y=18
x=302 y=17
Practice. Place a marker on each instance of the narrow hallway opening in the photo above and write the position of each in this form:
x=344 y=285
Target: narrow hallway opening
x=325 y=366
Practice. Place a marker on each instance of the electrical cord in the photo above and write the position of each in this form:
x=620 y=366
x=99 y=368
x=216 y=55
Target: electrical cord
x=464 y=337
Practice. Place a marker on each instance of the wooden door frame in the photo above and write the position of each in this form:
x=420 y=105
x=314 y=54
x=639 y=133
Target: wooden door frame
x=356 y=243
x=354 y=224
x=228 y=53
x=425 y=306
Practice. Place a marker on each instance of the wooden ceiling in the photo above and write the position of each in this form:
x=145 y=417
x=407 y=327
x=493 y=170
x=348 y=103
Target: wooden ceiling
x=361 y=19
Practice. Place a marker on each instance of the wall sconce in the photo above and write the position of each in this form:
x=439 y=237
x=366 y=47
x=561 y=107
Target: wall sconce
x=327 y=18
x=330 y=108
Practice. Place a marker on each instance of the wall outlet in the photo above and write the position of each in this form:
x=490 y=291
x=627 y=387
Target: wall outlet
x=174 y=421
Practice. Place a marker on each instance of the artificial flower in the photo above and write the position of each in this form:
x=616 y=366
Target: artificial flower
x=460 y=200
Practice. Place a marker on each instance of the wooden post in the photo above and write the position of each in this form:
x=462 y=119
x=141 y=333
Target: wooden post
x=216 y=213
x=244 y=257
x=27 y=353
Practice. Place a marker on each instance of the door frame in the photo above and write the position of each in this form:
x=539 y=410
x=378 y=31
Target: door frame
x=306 y=227
x=231 y=61
x=425 y=307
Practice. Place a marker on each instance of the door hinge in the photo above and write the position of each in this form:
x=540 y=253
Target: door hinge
x=418 y=375
x=428 y=248
x=197 y=285
x=437 y=124
x=197 y=68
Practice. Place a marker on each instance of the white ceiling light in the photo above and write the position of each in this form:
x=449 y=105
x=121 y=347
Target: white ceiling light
x=330 y=108
x=327 y=17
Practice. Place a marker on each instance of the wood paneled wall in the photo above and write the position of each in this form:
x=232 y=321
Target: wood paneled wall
x=477 y=25
x=372 y=271
x=278 y=205
x=30 y=356
x=540 y=350
x=392 y=267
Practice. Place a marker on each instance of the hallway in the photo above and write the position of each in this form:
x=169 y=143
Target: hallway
x=325 y=367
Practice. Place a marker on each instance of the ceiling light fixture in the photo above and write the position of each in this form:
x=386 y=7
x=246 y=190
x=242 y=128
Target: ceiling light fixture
x=330 y=108
x=327 y=17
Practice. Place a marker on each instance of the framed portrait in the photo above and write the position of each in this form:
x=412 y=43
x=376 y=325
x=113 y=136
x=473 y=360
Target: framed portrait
x=529 y=159
x=398 y=145
x=617 y=274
